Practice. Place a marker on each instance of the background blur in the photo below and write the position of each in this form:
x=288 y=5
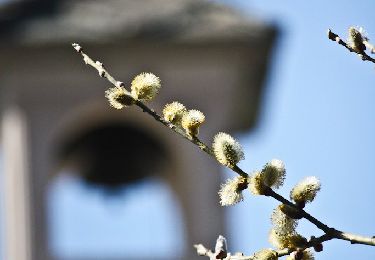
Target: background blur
x=316 y=115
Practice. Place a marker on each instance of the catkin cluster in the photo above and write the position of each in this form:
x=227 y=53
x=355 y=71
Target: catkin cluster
x=228 y=152
x=271 y=176
x=356 y=38
x=190 y=120
x=285 y=219
x=144 y=87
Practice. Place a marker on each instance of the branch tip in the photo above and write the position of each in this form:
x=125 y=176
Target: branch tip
x=77 y=47
x=357 y=47
x=332 y=36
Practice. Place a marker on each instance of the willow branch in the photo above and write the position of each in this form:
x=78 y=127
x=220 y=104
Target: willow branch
x=334 y=37
x=331 y=232
x=326 y=229
x=314 y=241
x=195 y=140
x=204 y=251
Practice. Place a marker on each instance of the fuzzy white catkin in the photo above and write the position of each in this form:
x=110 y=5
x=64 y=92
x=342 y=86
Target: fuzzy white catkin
x=230 y=192
x=283 y=224
x=192 y=120
x=256 y=185
x=145 y=86
x=173 y=112
x=272 y=176
x=118 y=97
x=265 y=254
x=227 y=150
x=307 y=255
x=356 y=38
x=281 y=241
x=274 y=173
x=305 y=190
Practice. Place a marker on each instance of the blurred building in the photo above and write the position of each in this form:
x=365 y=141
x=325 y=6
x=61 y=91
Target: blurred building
x=54 y=114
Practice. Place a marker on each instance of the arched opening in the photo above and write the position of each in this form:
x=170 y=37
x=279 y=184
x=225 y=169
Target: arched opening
x=113 y=154
x=111 y=200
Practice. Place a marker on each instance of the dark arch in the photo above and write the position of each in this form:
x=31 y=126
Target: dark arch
x=113 y=155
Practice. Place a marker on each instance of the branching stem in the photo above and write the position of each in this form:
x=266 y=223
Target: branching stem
x=363 y=55
x=329 y=233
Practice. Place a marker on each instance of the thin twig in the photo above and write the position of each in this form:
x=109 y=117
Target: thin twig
x=312 y=243
x=195 y=140
x=334 y=37
x=326 y=229
x=203 y=251
x=330 y=233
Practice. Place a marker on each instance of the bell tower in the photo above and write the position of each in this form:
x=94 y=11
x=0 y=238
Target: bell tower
x=54 y=114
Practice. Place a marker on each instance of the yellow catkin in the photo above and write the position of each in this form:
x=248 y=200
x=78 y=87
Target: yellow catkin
x=265 y=254
x=118 y=97
x=283 y=224
x=231 y=192
x=145 y=86
x=305 y=190
x=227 y=150
x=191 y=121
x=256 y=185
x=173 y=112
x=274 y=173
x=355 y=39
x=307 y=254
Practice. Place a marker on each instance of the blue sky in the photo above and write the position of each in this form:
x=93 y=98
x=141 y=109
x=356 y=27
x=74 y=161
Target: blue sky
x=137 y=220
x=317 y=116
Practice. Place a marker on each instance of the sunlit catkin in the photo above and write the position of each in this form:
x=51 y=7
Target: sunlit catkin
x=274 y=173
x=231 y=192
x=355 y=39
x=271 y=176
x=227 y=150
x=173 y=112
x=307 y=254
x=118 y=97
x=256 y=184
x=282 y=241
x=191 y=121
x=305 y=190
x=265 y=254
x=145 y=86
x=283 y=224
